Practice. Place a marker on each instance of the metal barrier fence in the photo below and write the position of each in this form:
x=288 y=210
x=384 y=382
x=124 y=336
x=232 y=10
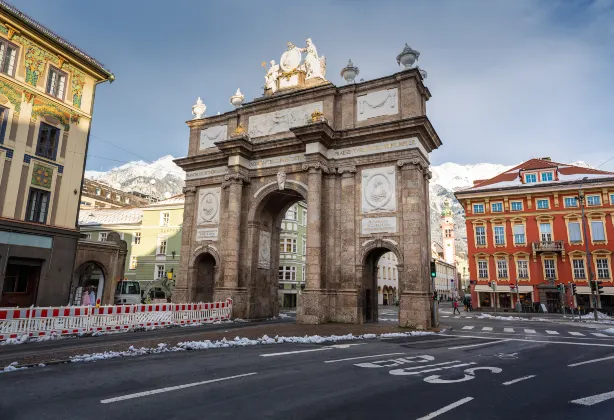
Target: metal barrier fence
x=71 y=320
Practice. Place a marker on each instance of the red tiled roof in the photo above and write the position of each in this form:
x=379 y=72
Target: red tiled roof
x=512 y=178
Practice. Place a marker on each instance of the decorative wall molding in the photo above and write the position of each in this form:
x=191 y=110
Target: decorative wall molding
x=316 y=165
x=377 y=104
x=282 y=120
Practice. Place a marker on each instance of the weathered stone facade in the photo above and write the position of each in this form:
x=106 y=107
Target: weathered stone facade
x=361 y=167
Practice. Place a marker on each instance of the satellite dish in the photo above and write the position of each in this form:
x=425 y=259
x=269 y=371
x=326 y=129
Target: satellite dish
x=167 y=195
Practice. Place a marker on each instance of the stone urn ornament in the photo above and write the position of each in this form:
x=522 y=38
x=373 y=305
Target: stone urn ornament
x=198 y=109
x=350 y=72
x=237 y=99
x=423 y=73
x=407 y=57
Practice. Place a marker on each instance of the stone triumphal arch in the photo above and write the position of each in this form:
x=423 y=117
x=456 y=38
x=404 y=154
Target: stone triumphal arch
x=358 y=155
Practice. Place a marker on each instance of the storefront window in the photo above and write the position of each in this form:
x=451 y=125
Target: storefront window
x=484 y=298
x=505 y=300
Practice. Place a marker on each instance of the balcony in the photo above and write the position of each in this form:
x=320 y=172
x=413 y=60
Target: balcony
x=548 y=246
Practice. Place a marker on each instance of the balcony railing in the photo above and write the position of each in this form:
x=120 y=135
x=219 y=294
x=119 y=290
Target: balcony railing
x=549 y=246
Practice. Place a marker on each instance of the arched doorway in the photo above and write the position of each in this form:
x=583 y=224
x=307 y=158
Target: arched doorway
x=89 y=278
x=268 y=271
x=371 y=254
x=204 y=276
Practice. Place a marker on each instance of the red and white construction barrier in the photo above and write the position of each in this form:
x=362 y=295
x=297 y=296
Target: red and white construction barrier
x=71 y=320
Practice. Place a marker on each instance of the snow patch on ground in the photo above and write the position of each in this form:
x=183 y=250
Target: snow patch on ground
x=26 y=339
x=389 y=319
x=284 y=316
x=12 y=368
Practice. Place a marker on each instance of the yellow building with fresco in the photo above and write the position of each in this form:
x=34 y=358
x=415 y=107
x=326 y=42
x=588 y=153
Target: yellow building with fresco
x=47 y=88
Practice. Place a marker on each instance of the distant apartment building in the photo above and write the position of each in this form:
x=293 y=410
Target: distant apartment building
x=528 y=230
x=47 y=88
x=387 y=279
x=96 y=194
x=292 y=254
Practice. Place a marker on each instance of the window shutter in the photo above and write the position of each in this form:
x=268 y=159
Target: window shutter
x=61 y=86
x=519 y=229
x=598 y=232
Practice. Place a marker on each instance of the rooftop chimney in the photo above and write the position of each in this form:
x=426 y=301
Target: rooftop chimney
x=546 y=158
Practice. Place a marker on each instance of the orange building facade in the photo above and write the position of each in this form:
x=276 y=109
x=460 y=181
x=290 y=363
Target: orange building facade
x=526 y=233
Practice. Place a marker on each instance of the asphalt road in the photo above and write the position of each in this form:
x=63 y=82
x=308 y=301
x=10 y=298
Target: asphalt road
x=474 y=373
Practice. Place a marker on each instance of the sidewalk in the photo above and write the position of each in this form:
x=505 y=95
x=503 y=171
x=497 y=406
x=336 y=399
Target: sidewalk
x=61 y=350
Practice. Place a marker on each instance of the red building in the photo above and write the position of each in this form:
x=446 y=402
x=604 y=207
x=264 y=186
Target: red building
x=525 y=228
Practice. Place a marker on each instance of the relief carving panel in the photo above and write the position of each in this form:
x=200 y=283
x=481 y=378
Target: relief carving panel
x=376 y=104
x=210 y=135
x=282 y=120
x=264 y=256
x=209 y=206
x=379 y=190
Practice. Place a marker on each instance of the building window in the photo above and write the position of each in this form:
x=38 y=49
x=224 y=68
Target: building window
x=160 y=272
x=575 y=234
x=102 y=237
x=612 y=199
x=546 y=176
x=304 y=247
x=523 y=269
x=108 y=195
x=499 y=235
x=542 y=204
x=133 y=262
x=56 y=83
x=571 y=201
x=516 y=205
x=48 y=139
x=593 y=200
x=519 y=237
x=597 y=230
x=161 y=246
x=287 y=245
x=497 y=207
x=98 y=191
x=549 y=269
x=87 y=236
x=127 y=201
x=546 y=232
x=502 y=269
x=291 y=213
x=136 y=238
x=4 y=114
x=578 y=269
x=480 y=235
x=603 y=269
x=483 y=269
x=165 y=217
x=8 y=57
x=303 y=273
x=478 y=208
x=118 y=197
x=38 y=204
x=530 y=178
x=287 y=273
x=305 y=217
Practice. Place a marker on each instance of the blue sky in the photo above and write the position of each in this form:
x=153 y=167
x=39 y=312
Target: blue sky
x=510 y=80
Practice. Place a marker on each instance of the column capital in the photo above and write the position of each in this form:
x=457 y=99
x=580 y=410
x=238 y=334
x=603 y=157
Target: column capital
x=235 y=178
x=189 y=190
x=315 y=166
x=346 y=170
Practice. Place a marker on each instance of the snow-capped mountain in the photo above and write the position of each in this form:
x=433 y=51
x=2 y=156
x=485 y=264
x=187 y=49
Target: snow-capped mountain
x=159 y=178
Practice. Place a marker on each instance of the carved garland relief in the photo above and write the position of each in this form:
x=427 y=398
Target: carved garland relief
x=377 y=104
x=210 y=135
x=282 y=120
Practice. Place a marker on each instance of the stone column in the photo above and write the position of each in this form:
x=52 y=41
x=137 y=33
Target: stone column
x=182 y=291
x=234 y=182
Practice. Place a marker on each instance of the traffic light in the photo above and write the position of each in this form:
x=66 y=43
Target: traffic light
x=433 y=269
x=560 y=287
x=592 y=284
x=600 y=286
x=435 y=295
x=574 y=291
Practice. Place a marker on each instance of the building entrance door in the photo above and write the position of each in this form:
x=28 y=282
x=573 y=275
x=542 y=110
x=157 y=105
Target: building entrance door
x=20 y=282
x=553 y=302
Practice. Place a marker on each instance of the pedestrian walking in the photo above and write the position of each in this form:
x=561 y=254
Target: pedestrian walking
x=455 y=304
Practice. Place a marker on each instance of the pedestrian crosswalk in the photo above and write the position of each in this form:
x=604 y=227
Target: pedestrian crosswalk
x=531 y=331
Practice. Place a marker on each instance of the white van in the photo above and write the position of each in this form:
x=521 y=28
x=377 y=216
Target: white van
x=127 y=293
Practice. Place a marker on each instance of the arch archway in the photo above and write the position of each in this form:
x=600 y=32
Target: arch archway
x=89 y=277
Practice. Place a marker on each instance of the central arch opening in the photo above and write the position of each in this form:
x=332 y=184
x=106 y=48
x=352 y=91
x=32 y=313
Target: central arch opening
x=88 y=285
x=380 y=285
x=279 y=235
x=204 y=268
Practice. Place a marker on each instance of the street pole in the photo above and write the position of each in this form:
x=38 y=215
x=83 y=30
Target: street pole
x=493 y=285
x=595 y=291
x=518 y=304
x=435 y=305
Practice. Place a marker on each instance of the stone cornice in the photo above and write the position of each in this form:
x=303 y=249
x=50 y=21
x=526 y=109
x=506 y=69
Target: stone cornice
x=319 y=132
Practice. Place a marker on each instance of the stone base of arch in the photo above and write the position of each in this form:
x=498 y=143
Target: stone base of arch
x=239 y=300
x=415 y=310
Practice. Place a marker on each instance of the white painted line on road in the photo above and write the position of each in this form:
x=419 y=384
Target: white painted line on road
x=476 y=345
x=591 y=361
x=600 y=335
x=172 y=388
x=467 y=317
x=575 y=333
x=295 y=352
x=457 y=316
x=529 y=331
x=445 y=316
x=594 y=399
x=362 y=357
x=486 y=328
x=530 y=340
x=446 y=408
x=468 y=327
x=518 y=380
x=436 y=364
x=552 y=332
x=508 y=330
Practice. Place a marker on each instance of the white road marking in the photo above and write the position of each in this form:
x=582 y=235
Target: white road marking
x=467 y=317
x=446 y=408
x=575 y=333
x=172 y=388
x=362 y=357
x=594 y=399
x=552 y=332
x=591 y=361
x=476 y=345
x=600 y=335
x=486 y=328
x=468 y=327
x=529 y=331
x=295 y=352
x=508 y=330
x=518 y=380
x=445 y=316
x=436 y=364
x=345 y=346
x=403 y=371
x=456 y=316
x=530 y=340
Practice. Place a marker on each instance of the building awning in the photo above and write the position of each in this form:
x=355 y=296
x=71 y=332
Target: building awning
x=503 y=289
x=586 y=290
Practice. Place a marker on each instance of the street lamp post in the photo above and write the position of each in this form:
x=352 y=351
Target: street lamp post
x=595 y=291
x=518 y=304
